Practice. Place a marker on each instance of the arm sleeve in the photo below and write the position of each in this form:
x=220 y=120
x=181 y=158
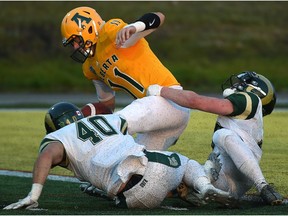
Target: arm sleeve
x=136 y=37
x=244 y=104
x=104 y=92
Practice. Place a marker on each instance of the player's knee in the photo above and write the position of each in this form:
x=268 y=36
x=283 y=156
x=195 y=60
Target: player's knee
x=220 y=137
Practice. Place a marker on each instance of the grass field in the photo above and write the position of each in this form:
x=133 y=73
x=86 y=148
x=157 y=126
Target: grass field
x=21 y=132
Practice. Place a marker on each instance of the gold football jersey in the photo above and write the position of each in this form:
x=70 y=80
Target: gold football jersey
x=130 y=69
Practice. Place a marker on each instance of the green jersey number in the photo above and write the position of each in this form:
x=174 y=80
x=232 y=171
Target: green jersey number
x=100 y=127
x=128 y=79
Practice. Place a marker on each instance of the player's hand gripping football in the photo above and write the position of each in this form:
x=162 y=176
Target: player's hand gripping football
x=27 y=203
x=154 y=90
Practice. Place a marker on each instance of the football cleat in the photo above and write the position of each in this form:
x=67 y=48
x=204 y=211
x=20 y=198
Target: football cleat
x=270 y=196
x=208 y=194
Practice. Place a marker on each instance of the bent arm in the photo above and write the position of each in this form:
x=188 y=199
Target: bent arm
x=51 y=156
x=142 y=27
x=193 y=100
x=105 y=94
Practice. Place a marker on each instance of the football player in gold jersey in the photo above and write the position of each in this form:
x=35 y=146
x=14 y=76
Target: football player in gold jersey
x=116 y=56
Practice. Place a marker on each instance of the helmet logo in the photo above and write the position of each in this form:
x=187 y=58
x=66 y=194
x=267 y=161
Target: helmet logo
x=79 y=19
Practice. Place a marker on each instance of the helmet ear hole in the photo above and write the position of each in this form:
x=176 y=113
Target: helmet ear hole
x=90 y=30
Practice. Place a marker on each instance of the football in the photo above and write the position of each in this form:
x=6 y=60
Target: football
x=95 y=109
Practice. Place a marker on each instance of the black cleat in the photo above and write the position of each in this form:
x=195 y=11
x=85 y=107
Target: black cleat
x=270 y=196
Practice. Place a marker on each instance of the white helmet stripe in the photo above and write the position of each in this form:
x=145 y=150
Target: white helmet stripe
x=79 y=25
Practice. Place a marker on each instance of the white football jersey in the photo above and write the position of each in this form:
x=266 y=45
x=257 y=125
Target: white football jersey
x=94 y=149
x=248 y=122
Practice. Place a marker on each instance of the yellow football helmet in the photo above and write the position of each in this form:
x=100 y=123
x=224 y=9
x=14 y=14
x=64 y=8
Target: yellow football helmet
x=249 y=81
x=80 y=28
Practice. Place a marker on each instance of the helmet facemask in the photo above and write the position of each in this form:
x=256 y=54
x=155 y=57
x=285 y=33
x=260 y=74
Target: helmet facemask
x=82 y=50
x=246 y=81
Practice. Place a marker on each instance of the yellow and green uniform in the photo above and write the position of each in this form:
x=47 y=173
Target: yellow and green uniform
x=130 y=69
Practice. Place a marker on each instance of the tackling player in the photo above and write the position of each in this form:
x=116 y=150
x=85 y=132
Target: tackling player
x=238 y=132
x=116 y=56
x=98 y=149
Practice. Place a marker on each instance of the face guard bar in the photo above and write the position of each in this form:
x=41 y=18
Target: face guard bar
x=82 y=50
x=242 y=81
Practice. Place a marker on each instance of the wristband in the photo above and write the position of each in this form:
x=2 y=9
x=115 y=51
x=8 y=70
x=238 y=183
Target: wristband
x=36 y=191
x=151 y=21
x=140 y=26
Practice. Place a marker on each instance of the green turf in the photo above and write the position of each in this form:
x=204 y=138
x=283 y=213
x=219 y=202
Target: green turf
x=22 y=131
x=67 y=199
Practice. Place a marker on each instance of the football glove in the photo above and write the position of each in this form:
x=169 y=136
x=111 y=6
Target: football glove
x=154 y=90
x=91 y=190
x=190 y=195
x=213 y=166
x=26 y=203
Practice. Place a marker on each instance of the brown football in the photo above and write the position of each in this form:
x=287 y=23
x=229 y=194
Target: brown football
x=95 y=109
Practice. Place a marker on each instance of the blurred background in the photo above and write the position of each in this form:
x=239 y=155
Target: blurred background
x=202 y=43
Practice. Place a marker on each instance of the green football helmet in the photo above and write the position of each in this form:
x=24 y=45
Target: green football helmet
x=249 y=81
x=60 y=115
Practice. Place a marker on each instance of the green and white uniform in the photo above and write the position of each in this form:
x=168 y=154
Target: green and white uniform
x=98 y=151
x=238 y=137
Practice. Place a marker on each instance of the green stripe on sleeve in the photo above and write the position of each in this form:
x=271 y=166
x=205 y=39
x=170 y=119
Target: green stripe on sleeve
x=244 y=104
x=44 y=143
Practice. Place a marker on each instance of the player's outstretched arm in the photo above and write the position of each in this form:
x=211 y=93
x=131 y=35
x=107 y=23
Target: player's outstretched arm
x=49 y=157
x=193 y=100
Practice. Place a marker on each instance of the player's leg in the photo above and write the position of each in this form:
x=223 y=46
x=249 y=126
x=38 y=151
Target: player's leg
x=246 y=161
x=199 y=189
x=157 y=121
x=231 y=179
x=159 y=140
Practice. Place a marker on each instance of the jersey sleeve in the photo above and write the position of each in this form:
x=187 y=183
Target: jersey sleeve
x=244 y=104
x=45 y=142
x=110 y=29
